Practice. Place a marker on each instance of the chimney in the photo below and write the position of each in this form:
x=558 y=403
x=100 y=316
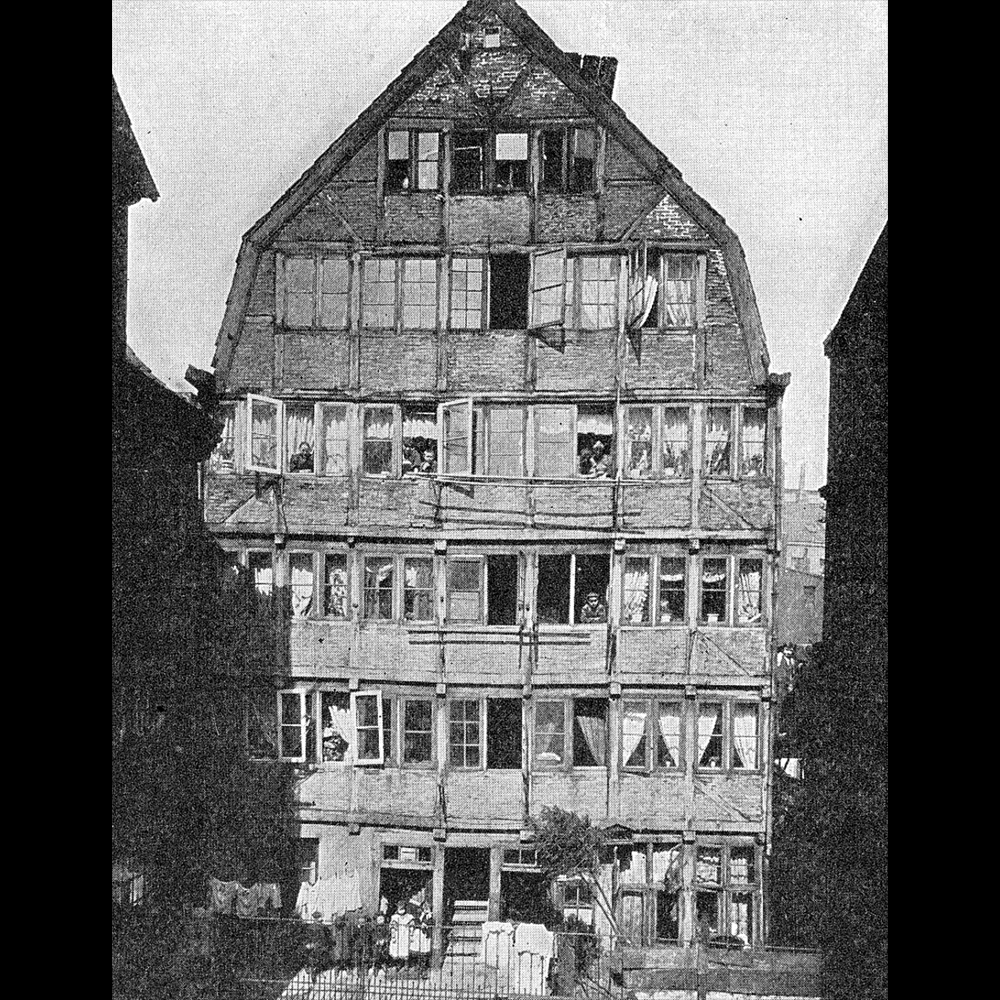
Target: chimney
x=597 y=70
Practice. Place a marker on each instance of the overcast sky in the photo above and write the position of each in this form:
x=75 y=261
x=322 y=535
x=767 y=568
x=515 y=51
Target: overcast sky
x=775 y=112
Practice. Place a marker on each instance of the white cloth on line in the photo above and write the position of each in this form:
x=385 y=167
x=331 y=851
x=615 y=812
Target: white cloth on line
x=498 y=940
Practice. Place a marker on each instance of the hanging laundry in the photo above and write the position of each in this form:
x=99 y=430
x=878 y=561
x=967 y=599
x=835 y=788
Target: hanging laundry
x=305 y=902
x=269 y=893
x=247 y=901
x=498 y=943
x=535 y=945
x=221 y=895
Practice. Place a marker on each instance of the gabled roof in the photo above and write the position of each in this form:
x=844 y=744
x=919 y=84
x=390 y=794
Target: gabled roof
x=865 y=319
x=131 y=180
x=568 y=70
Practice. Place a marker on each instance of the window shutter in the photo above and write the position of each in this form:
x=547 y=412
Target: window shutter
x=548 y=289
x=455 y=437
x=264 y=422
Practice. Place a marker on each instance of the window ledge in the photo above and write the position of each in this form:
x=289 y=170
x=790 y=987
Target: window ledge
x=425 y=628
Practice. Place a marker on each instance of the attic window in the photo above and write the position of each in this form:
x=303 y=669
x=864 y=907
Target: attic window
x=412 y=161
x=491 y=38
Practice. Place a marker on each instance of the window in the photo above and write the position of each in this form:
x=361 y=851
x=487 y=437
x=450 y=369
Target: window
x=554 y=441
x=651 y=734
x=654 y=582
x=379 y=308
x=584 y=720
x=657 y=442
x=418 y=589
x=505 y=441
x=468 y=162
x=469 y=578
x=307 y=858
x=577 y=900
x=419 y=441
x=296 y=732
x=596 y=281
x=301 y=574
x=550 y=732
x=224 y=456
x=336 y=726
x=590 y=732
x=491 y=38
x=503 y=733
x=378 y=587
x=418 y=715
x=595 y=447
x=718 y=441
x=510 y=161
x=466 y=293
x=753 y=438
x=550 y=274
x=335 y=587
x=675 y=442
x=264 y=430
x=639 y=442
x=714 y=591
x=333 y=439
x=748 y=601
x=568 y=158
x=508 y=284
x=419 y=293
x=572 y=589
x=678 y=294
x=412 y=161
x=262 y=724
x=376 y=444
x=726 y=889
x=313 y=292
x=728 y=735
x=464 y=739
x=300 y=442
x=366 y=707
x=455 y=429
x=261 y=566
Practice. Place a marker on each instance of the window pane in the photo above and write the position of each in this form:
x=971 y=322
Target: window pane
x=468 y=161
x=554 y=444
x=377 y=445
x=334 y=286
x=709 y=866
x=397 y=174
x=718 y=431
x=457 y=432
x=672 y=589
x=224 y=456
x=511 y=161
x=636 y=591
x=592 y=578
x=399 y=145
x=427 y=160
x=752 y=458
x=741 y=866
x=741 y=916
x=710 y=736
x=336 y=725
x=590 y=732
x=300 y=277
x=551 y=142
x=419 y=441
x=634 y=733
x=549 y=732
x=582 y=146
x=367 y=724
x=264 y=433
x=639 y=442
x=549 y=288
x=744 y=736
x=418 y=590
x=334 y=440
x=598 y=278
x=291 y=725
x=300 y=566
x=380 y=292
x=678 y=290
x=595 y=443
x=464 y=734
x=464 y=590
x=676 y=442
x=668 y=741
x=553 y=589
x=506 y=441
x=378 y=587
x=714 y=585
x=417 y=717
x=466 y=293
x=419 y=294
x=262 y=572
x=335 y=587
x=749 y=604
x=299 y=441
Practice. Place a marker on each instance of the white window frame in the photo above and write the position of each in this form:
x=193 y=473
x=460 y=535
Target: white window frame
x=535 y=289
x=279 y=405
x=303 y=724
x=446 y=408
x=317 y=260
x=358 y=760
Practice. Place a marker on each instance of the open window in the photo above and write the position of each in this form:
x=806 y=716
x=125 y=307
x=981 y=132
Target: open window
x=548 y=289
x=510 y=161
x=301 y=577
x=590 y=732
x=573 y=589
x=753 y=433
x=470 y=578
x=581 y=150
x=337 y=729
x=420 y=441
x=295 y=730
x=300 y=437
x=468 y=162
x=366 y=708
x=333 y=439
x=455 y=430
x=595 y=449
x=265 y=434
x=508 y=283
x=503 y=733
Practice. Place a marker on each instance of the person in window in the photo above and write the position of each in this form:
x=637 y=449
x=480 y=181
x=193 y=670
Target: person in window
x=429 y=463
x=718 y=464
x=585 y=462
x=600 y=467
x=412 y=459
x=593 y=611
x=302 y=460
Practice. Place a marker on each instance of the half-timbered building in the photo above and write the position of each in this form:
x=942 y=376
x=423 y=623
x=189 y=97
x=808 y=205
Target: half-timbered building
x=500 y=430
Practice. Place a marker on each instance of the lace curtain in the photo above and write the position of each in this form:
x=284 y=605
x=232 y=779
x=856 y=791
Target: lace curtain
x=335 y=441
x=636 y=604
x=750 y=574
x=745 y=735
x=302 y=585
x=709 y=725
x=633 y=732
x=594 y=732
x=670 y=734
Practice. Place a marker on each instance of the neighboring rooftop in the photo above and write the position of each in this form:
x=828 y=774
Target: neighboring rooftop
x=131 y=180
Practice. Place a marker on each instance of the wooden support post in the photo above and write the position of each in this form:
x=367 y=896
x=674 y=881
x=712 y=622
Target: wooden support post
x=496 y=859
x=437 y=906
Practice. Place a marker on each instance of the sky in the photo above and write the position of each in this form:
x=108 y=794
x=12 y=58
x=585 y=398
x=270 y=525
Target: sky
x=775 y=111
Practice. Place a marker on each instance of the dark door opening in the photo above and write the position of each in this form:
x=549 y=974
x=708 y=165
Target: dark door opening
x=503 y=733
x=509 y=291
x=400 y=885
x=466 y=876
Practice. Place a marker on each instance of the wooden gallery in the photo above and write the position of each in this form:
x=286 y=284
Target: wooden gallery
x=499 y=431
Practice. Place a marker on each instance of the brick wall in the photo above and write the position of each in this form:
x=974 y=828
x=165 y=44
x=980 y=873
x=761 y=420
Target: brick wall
x=486 y=361
x=482 y=219
x=391 y=361
x=313 y=361
x=586 y=364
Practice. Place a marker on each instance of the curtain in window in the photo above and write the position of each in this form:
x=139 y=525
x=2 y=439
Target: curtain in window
x=711 y=576
x=636 y=609
x=670 y=734
x=667 y=865
x=717 y=434
x=636 y=874
x=549 y=732
x=378 y=441
x=335 y=440
x=263 y=572
x=750 y=574
x=594 y=732
x=302 y=584
x=754 y=433
x=299 y=432
x=633 y=732
x=342 y=722
x=264 y=434
x=640 y=443
x=678 y=291
x=745 y=735
x=676 y=443
x=709 y=725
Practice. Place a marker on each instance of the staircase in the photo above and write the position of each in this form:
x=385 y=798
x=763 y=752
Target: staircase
x=465 y=941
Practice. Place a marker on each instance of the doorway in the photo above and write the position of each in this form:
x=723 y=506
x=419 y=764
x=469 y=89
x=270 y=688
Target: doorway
x=466 y=877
